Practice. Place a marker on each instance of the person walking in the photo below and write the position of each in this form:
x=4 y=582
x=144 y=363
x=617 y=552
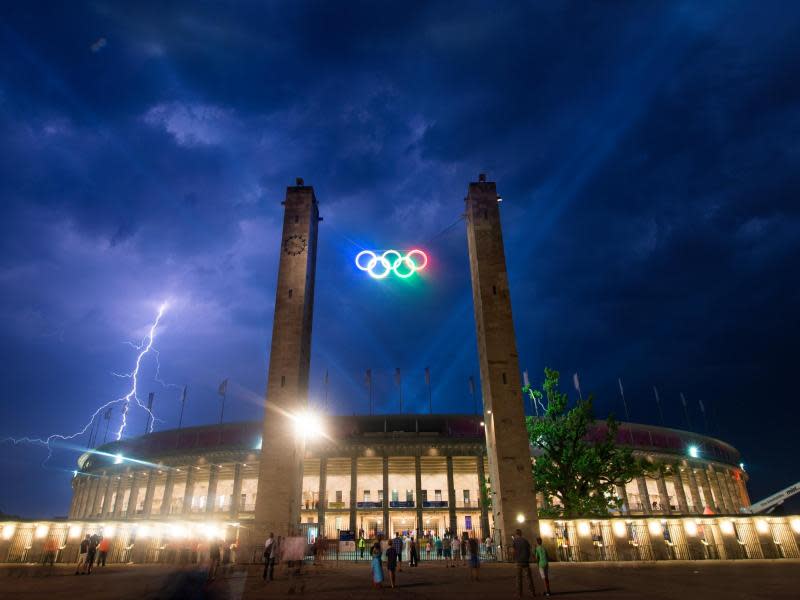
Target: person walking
x=268 y=547
x=83 y=554
x=413 y=558
x=391 y=564
x=474 y=558
x=376 y=566
x=544 y=565
x=213 y=557
x=522 y=558
x=102 y=551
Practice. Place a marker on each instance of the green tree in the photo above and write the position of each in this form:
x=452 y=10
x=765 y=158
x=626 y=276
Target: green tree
x=580 y=472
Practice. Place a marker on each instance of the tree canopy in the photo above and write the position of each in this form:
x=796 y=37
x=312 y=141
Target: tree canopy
x=579 y=471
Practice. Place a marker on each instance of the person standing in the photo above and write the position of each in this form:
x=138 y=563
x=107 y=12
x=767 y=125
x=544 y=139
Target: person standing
x=413 y=552
x=102 y=551
x=447 y=546
x=456 y=547
x=522 y=558
x=94 y=540
x=474 y=559
x=544 y=565
x=213 y=557
x=464 y=547
x=377 y=567
x=391 y=564
x=362 y=545
x=268 y=547
x=83 y=555
x=437 y=545
x=397 y=544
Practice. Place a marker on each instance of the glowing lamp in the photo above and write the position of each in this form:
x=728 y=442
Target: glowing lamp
x=690 y=527
x=796 y=525
x=520 y=518
x=726 y=527
x=118 y=458
x=655 y=528
x=74 y=531
x=694 y=452
x=584 y=529
x=307 y=424
x=8 y=531
x=41 y=530
x=546 y=529
x=619 y=528
x=143 y=531
x=108 y=531
x=762 y=526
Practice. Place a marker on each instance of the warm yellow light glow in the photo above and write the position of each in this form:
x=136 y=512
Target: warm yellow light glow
x=41 y=530
x=8 y=531
x=143 y=531
x=690 y=527
x=108 y=531
x=74 y=531
x=619 y=528
x=762 y=526
x=546 y=529
x=796 y=525
x=520 y=518
x=307 y=424
x=655 y=528
x=583 y=528
x=177 y=531
x=726 y=527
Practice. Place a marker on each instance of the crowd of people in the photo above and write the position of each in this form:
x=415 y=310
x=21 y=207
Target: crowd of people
x=93 y=548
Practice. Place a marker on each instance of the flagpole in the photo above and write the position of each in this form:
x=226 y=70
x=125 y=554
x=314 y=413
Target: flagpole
x=428 y=384
x=658 y=403
x=325 y=409
x=222 y=410
x=108 y=423
x=625 y=405
x=472 y=393
x=183 y=403
x=686 y=411
x=150 y=398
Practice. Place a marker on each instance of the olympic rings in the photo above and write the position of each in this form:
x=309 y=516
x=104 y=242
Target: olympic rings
x=391 y=261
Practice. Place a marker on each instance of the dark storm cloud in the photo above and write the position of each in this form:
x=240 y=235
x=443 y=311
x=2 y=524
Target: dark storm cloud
x=646 y=154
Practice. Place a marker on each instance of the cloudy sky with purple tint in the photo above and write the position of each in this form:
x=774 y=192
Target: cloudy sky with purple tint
x=647 y=154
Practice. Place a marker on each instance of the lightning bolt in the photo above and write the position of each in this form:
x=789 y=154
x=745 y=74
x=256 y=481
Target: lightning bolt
x=144 y=348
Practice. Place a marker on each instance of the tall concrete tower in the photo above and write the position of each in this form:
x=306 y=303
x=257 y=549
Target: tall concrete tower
x=513 y=494
x=281 y=472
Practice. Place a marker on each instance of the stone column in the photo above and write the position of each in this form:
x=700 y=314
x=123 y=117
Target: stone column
x=108 y=510
x=386 y=497
x=663 y=494
x=451 y=495
x=321 y=492
x=724 y=492
x=705 y=483
x=133 y=499
x=211 y=498
x=119 y=498
x=732 y=491
x=694 y=489
x=418 y=493
x=644 y=495
x=169 y=486
x=622 y=494
x=81 y=496
x=189 y=493
x=237 y=490
x=680 y=493
x=97 y=492
x=353 y=490
x=150 y=492
x=742 y=488
x=102 y=484
x=73 y=503
x=483 y=500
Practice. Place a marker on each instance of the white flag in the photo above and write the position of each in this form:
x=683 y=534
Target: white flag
x=223 y=387
x=576 y=382
x=683 y=399
x=525 y=381
x=621 y=391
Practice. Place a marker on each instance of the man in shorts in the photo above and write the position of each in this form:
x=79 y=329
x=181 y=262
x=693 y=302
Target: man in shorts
x=83 y=553
x=544 y=565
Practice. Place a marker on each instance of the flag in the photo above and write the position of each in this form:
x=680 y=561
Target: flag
x=368 y=378
x=655 y=391
x=223 y=387
x=525 y=381
x=621 y=390
x=326 y=376
x=427 y=376
x=471 y=385
x=397 y=375
x=683 y=399
x=183 y=396
x=576 y=382
x=702 y=406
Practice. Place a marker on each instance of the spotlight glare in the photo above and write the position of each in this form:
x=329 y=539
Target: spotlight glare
x=694 y=452
x=118 y=458
x=619 y=528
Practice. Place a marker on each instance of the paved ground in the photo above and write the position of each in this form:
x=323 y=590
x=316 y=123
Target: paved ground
x=773 y=580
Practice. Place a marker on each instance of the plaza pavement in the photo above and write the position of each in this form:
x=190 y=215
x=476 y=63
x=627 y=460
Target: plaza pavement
x=706 y=580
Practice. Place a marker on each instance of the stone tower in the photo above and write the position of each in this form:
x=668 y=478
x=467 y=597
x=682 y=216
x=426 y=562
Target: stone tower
x=513 y=495
x=281 y=472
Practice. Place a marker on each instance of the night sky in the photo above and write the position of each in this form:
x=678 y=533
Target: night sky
x=647 y=155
